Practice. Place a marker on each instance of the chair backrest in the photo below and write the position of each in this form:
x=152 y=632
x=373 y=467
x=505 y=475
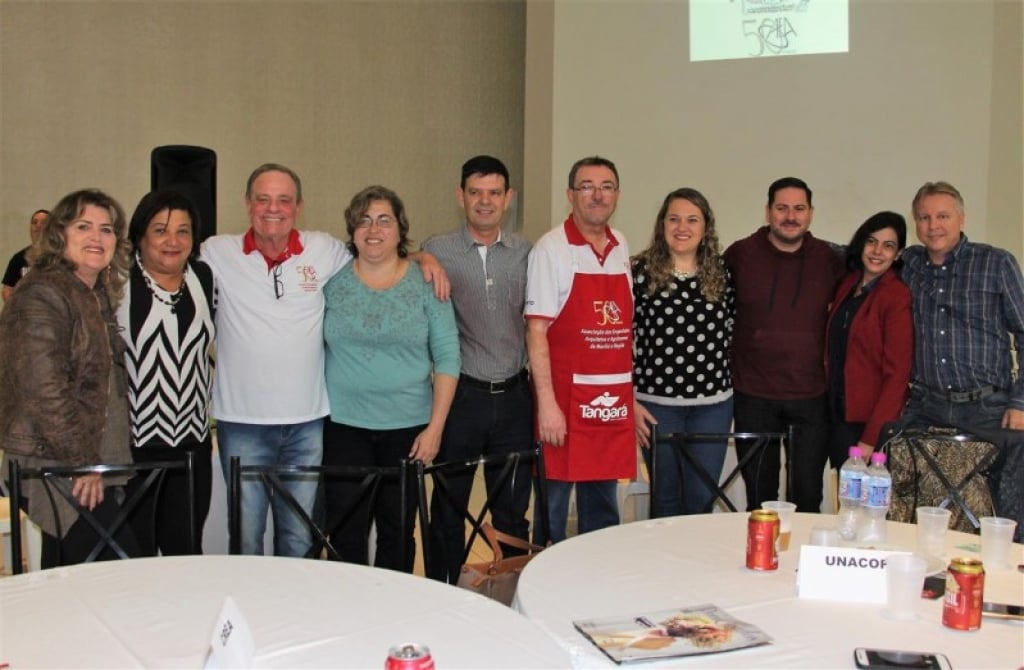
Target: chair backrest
x=940 y=467
x=55 y=480
x=273 y=478
x=509 y=475
x=682 y=442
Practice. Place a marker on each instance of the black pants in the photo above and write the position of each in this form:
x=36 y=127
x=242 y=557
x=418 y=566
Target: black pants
x=169 y=533
x=843 y=434
x=348 y=445
x=806 y=456
x=481 y=423
x=81 y=538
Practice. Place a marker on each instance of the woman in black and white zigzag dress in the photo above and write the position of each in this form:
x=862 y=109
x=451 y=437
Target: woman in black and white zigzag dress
x=166 y=318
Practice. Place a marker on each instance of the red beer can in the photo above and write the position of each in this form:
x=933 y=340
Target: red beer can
x=965 y=588
x=409 y=656
x=762 y=536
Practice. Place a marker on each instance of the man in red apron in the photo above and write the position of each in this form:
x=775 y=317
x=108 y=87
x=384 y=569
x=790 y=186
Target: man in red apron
x=579 y=310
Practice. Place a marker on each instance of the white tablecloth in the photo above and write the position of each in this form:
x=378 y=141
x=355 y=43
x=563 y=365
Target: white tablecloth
x=160 y=612
x=668 y=563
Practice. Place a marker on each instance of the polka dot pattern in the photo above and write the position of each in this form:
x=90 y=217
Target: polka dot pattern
x=681 y=340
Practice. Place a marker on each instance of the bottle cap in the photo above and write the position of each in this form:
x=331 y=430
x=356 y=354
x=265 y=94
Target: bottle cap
x=856 y=452
x=878 y=457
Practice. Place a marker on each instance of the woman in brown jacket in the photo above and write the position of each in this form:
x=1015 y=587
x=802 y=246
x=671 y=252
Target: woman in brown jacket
x=62 y=368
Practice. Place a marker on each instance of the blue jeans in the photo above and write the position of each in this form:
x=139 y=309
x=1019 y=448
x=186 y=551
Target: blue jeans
x=983 y=419
x=688 y=494
x=291 y=444
x=597 y=506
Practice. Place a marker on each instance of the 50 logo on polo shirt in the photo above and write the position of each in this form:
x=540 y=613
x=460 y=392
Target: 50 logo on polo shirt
x=309 y=281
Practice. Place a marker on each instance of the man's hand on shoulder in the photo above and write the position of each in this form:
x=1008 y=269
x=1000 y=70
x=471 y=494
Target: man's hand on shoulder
x=1013 y=419
x=435 y=274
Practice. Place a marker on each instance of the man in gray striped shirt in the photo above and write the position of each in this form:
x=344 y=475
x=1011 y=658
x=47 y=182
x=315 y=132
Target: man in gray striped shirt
x=493 y=408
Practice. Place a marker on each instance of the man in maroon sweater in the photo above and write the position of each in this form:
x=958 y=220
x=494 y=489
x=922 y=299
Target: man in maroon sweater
x=784 y=279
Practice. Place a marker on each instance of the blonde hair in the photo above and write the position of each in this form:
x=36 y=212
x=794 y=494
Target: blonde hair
x=938 y=188
x=49 y=251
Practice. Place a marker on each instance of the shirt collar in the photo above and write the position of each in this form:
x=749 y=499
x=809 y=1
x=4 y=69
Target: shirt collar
x=294 y=247
x=958 y=250
x=471 y=241
x=576 y=239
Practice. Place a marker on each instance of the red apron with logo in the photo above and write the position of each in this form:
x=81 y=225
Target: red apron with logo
x=591 y=350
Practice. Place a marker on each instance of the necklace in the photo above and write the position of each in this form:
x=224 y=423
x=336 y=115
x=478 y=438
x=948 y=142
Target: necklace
x=172 y=299
x=679 y=274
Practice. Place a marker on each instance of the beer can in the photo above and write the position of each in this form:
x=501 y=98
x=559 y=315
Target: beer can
x=965 y=588
x=409 y=656
x=762 y=536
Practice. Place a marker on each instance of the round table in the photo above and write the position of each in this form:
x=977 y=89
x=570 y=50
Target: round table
x=160 y=612
x=692 y=560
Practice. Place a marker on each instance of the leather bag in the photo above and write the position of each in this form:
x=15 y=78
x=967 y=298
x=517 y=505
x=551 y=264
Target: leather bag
x=497 y=578
x=937 y=467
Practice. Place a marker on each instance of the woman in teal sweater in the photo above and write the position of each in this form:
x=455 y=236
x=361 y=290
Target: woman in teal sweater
x=392 y=364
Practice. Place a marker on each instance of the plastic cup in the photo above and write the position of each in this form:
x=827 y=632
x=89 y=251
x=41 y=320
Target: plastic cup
x=996 y=538
x=932 y=523
x=904 y=579
x=785 y=510
x=825 y=537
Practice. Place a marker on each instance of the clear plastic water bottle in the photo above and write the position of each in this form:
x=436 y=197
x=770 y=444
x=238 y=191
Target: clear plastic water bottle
x=876 y=492
x=851 y=476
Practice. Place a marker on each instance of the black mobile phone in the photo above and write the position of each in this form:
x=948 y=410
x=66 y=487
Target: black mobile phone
x=892 y=659
x=934 y=587
x=1003 y=611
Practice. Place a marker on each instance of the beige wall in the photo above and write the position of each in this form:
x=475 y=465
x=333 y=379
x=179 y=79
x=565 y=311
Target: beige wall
x=929 y=90
x=346 y=93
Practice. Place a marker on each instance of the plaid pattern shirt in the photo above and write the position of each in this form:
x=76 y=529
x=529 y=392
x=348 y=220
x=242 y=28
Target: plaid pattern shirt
x=965 y=311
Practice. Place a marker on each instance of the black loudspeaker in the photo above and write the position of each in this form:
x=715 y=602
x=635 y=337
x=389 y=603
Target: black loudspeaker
x=192 y=171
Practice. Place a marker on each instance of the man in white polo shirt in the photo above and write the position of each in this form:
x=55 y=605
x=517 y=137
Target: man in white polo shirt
x=269 y=394
x=579 y=310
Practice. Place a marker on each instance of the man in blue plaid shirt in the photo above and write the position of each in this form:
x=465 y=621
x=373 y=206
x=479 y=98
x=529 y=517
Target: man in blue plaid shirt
x=969 y=315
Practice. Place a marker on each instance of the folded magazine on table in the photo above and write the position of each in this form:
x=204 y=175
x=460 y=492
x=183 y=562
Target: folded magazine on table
x=687 y=631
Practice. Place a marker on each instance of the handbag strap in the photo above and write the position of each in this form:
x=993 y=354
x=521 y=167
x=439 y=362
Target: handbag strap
x=495 y=538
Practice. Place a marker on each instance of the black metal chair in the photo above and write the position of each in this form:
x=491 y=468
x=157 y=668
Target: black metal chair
x=940 y=467
x=366 y=478
x=510 y=468
x=55 y=481
x=684 y=443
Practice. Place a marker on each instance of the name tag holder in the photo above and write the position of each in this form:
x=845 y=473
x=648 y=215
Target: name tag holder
x=843 y=574
x=232 y=644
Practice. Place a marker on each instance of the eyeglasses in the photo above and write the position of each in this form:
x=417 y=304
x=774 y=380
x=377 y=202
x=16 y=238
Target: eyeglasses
x=588 y=188
x=384 y=222
x=278 y=284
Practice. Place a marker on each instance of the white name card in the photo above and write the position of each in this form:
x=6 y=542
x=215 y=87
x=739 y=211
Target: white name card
x=232 y=645
x=841 y=573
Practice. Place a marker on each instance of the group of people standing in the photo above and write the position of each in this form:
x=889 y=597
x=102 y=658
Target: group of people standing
x=782 y=329
x=344 y=353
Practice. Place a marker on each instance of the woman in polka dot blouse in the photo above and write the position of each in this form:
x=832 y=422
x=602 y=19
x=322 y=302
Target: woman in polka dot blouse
x=682 y=330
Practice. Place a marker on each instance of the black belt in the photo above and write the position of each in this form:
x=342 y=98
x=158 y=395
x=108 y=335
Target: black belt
x=495 y=387
x=959 y=397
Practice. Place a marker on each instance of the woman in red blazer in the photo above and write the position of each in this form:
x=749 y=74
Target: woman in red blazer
x=870 y=338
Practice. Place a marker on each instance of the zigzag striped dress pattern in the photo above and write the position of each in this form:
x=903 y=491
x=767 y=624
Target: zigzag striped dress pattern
x=169 y=369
